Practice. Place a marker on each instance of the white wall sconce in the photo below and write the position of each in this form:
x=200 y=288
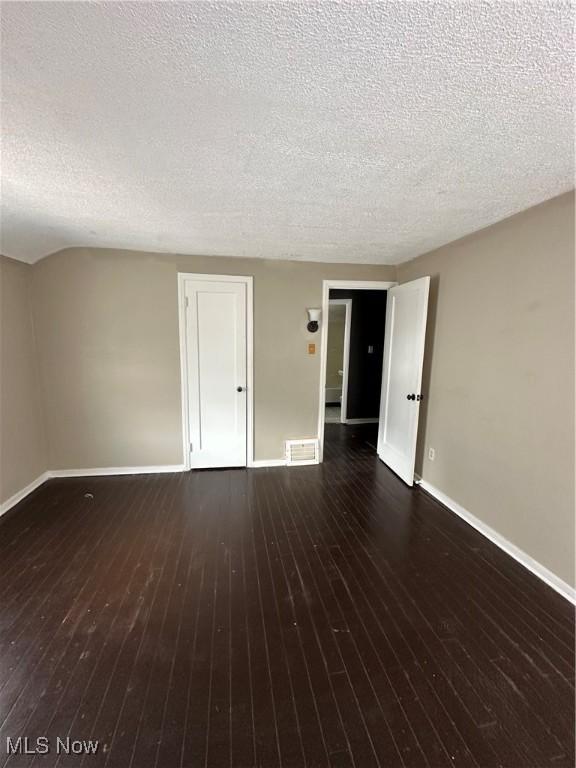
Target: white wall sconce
x=313 y=319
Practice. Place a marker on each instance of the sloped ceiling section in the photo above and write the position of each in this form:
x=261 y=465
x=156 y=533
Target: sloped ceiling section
x=329 y=131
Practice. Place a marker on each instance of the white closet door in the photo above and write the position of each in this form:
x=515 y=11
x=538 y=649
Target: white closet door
x=216 y=360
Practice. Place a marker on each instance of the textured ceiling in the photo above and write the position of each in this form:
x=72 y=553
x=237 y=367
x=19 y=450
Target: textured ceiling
x=332 y=131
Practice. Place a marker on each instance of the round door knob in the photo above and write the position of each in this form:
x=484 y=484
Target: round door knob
x=239 y=389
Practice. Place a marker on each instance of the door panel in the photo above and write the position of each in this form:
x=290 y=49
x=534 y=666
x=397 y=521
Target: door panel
x=216 y=352
x=406 y=312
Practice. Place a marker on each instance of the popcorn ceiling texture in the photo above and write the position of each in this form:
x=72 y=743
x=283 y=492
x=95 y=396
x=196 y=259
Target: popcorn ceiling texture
x=328 y=131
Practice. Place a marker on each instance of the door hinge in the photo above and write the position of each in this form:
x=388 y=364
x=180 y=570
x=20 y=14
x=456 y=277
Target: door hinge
x=191 y=448
x=187 y=302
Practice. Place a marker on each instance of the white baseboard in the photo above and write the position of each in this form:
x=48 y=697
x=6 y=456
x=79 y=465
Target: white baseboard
x=100 y=471
x=362 y=421
x=518 y=554
x=19 y=495
x=268 y=463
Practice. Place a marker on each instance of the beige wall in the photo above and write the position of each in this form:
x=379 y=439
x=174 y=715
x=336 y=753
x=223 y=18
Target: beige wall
x=499 y=376
x=22 y=443
x=335 y=345
x=107 y=324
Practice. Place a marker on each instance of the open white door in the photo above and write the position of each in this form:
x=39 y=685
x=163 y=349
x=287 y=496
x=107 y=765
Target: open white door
x=406 y=312
x=216 y=369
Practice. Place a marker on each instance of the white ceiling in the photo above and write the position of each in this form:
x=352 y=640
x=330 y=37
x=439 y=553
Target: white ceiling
x=326 y=131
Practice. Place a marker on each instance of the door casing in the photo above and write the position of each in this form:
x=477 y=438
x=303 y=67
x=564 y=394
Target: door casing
x=327 y=286
x=183 y=277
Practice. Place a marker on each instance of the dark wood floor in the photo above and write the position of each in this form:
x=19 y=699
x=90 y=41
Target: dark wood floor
x=310 y=616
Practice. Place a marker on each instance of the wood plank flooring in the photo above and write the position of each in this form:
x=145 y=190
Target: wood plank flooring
x=311 y=616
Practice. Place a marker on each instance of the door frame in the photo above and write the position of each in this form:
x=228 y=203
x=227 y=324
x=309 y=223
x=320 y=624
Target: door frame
x=345 y=354
x=183 y=277
x=327 y=286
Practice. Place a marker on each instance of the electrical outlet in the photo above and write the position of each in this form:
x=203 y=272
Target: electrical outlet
x=431 y=454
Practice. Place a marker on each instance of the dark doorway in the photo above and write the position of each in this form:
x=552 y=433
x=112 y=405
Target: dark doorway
x=354 y=399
